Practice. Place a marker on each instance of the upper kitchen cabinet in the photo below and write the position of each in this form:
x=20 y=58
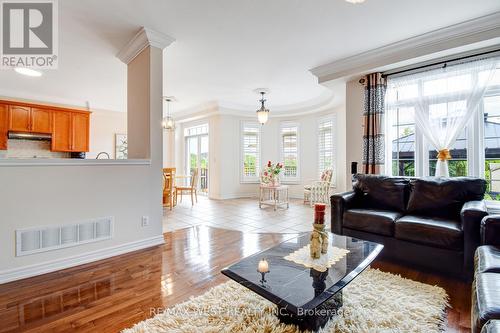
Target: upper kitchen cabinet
x=80 y=131
x=4 y=126
x=19 y=118
x=28 y=119
x=62 y=133
x=70 y=131
x=69 y=128
x=41 y=120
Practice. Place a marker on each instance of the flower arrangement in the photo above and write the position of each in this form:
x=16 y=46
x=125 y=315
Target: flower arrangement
x=271 y=173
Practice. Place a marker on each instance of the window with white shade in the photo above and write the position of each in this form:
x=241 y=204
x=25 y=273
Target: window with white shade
x=326 y=149
x=476 y=149
x=289 y=144
x=250 y=147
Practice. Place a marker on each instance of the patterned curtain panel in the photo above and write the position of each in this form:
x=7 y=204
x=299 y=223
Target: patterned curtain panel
x=373 y=113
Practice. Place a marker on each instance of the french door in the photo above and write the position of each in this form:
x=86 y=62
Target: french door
x=197 y=159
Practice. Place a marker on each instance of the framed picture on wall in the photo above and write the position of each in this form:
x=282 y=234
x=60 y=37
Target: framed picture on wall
x=121 y=146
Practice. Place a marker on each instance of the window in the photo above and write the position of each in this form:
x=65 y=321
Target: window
x=402 y=129
x=250 y=141
x=196 y=130
x=326 y=152
x=196 y=156
x=457 y=165
x=289 y=142
x=491 y=130
x=476 y=150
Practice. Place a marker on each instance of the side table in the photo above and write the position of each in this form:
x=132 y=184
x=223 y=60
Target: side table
x=275 y=196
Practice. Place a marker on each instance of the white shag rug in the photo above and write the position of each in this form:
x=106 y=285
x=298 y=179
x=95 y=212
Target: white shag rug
x=375 y=301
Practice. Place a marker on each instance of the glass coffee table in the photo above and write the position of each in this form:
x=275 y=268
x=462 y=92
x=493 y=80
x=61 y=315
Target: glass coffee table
x=304 y=296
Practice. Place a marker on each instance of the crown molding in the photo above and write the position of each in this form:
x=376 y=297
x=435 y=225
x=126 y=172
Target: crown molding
x=472 y=31
x=215 y=108
x=145 y=37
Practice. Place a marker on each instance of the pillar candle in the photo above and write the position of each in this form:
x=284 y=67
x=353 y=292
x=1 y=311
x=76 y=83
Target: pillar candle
x=263 y=266
x=319 y=213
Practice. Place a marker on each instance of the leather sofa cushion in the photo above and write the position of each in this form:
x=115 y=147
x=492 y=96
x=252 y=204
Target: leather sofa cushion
x=382 y=192
x=486 y=299
x=371 y=220
x=438 y=232
x=443 y=197
x=487 y=259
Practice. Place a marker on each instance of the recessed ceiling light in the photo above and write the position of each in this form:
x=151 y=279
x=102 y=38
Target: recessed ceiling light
x=355 y=1
x=27 y=71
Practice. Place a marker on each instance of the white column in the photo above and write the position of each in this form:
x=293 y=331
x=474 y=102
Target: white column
x=144 y=58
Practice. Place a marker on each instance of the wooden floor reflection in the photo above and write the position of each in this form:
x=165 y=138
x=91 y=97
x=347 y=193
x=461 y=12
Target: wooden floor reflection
x=115 y=293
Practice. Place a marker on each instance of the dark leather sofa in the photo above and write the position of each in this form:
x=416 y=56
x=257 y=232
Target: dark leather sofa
x=485 y=316
x=427 y=223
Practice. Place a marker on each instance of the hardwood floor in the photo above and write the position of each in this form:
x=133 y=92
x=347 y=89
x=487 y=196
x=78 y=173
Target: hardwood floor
x=115 y=293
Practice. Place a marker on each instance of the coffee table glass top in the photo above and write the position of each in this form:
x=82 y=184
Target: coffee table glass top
x=295 y=286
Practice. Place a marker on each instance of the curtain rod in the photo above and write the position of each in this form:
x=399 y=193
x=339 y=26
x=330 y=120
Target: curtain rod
x=422 y=67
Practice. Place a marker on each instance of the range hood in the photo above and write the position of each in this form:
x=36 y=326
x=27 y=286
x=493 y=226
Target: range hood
x=30 y=136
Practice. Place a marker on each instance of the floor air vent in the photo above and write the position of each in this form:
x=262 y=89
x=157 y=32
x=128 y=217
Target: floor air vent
x=41 y=239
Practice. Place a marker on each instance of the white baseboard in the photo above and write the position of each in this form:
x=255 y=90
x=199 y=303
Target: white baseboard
x=84 y=258
x=250 y=195
x=236 y=196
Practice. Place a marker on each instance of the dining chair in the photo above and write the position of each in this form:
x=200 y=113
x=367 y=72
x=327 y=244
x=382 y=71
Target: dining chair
x=192 y=188
x=168 y=187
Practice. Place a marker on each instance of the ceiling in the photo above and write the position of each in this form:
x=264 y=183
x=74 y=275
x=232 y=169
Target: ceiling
x=224 y=49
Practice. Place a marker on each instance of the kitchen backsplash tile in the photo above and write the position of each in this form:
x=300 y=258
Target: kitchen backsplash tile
x=30 y=149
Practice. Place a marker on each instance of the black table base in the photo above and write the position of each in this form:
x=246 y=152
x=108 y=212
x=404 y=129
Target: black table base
x=312 y=319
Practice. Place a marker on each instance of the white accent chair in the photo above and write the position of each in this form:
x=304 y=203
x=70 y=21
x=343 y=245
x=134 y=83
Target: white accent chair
x=319 y=191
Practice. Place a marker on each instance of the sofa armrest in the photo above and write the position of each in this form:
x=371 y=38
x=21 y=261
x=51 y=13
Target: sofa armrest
x=339 y=203
x=490 y=230
x=471 y=215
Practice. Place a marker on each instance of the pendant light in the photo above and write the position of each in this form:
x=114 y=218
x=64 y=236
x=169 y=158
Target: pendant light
x=262 y=113
x=168 y=122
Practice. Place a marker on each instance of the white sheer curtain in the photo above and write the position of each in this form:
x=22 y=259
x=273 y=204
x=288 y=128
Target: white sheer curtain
x=444 y=100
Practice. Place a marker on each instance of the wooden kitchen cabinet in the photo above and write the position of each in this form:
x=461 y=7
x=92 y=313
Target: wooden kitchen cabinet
x=4 y=126
x=30 y=120
x=70 y=132
x=19 y=118
x=80 y=132
x=70 y=128
x=62 y=133
x=41 y=120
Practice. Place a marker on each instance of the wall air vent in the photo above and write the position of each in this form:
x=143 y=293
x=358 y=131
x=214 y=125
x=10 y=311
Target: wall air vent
x=42 y=239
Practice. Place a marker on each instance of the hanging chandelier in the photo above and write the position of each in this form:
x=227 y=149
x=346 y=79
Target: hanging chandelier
x=168 y=122
x=262 y=113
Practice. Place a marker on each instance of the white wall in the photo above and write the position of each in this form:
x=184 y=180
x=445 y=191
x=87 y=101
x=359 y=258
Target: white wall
x=103 y=127
x=168 y=149
x=354 y=126
x=57 y=195
x=225 y=154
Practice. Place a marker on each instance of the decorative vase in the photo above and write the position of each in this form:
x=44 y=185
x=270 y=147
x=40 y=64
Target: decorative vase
x=320 y=229
x=319 y=225
x=315 y=244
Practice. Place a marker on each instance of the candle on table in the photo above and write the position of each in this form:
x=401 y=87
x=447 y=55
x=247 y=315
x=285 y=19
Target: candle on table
x=263 y=266
x=319 y=213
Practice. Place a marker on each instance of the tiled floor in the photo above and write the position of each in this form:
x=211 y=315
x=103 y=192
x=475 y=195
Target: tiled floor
x=240 y=214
